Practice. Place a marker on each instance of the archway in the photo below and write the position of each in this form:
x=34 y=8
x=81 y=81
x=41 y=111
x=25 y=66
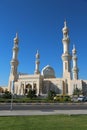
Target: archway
x=27 y=88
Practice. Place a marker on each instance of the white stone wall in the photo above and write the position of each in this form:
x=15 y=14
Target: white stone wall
x=54 y=84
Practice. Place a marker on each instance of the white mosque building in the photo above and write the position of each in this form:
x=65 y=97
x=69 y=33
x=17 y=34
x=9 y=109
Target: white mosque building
x=46 y=80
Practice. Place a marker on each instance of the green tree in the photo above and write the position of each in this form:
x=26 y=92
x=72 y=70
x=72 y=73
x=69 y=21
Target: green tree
x=51 y=94
x=31 y=93
x=7 y=94
x=77 y=91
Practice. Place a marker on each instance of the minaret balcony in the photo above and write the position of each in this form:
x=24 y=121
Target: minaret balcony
x=66 y=40
x=15 y=48
x=14 y=62
x=74 y=57
x=75 y=70
x=66 y=57
x=37 y=62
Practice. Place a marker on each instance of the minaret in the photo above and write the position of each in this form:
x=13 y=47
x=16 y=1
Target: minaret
x=75 y=68
x=66 y=57
x=14 y=63
x=37 y=62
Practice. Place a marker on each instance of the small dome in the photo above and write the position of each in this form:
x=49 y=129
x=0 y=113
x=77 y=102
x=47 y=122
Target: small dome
x=48 y=72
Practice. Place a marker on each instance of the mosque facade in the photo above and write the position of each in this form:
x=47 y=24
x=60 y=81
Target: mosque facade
x=46 y=80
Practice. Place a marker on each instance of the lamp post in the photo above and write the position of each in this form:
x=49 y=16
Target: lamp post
x=12 y=88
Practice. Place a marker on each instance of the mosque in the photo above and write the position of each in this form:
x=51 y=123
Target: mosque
x=46 y=80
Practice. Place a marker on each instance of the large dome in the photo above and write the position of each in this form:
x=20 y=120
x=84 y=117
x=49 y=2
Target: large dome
x=48 y=72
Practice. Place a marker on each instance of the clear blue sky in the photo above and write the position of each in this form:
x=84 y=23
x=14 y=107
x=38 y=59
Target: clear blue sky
x=39 y=24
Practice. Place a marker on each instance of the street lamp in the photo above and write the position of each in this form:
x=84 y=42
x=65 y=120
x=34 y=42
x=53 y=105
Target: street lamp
x=12 y=92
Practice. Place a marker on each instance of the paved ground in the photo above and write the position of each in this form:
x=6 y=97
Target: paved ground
x=43 y=106
x=38 y=112
x=44 y=112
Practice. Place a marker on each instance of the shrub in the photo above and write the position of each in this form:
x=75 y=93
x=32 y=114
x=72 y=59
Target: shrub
x=63 y=98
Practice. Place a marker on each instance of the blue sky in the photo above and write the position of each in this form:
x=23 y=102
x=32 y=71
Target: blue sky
x=39 y=25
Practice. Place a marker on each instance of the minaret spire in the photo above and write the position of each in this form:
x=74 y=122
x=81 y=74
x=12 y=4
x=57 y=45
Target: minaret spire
x=73 y=46
x=16 y=35
x=75 y=68
x=65 y=23
x=37 y=62
x=16 y=40
x=66 y=57
x=14 y=63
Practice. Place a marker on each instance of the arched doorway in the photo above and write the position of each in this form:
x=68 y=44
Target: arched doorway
x=27 y=88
